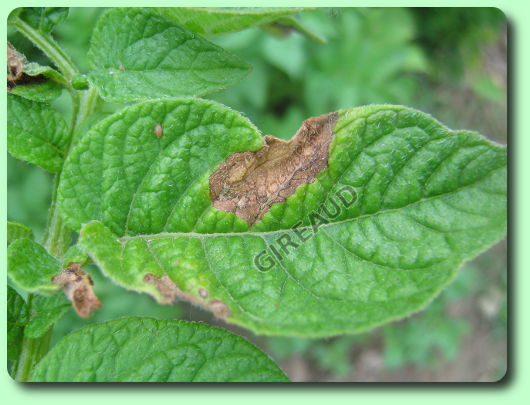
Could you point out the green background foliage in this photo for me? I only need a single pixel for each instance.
(293, 78)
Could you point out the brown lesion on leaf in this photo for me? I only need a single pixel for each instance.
(165, 285)
(171, 292)
(77, 286)
(248, 183)
(15, 70)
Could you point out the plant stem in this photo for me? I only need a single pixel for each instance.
(57, 235)
(50, 48)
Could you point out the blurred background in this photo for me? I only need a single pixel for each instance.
(450, 62)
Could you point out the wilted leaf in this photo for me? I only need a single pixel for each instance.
(148, 350)
(138, 54)
(400, 202)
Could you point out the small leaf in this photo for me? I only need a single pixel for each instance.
(31, 267)
(215, 21)
(31, 80)
(360, 219)
(45, 311)
(148, 350)
(43, 18)
(137, 54)
(17, 317)
(18, 231)
(36, 133)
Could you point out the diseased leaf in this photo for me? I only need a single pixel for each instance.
(17, 317)
(286, 239)
(138, 54)
(31, 80)
(18, 231)
(36, 133)
(148, 350)
(45, 311)
(222, 20)
(31, 267)
(77, 286)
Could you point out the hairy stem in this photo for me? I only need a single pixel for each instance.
(57, 235)
(50, 48)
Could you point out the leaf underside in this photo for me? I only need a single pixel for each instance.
(148, 350)
(427, 199)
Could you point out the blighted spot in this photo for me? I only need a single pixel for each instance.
(248, 183)
(219, 309)
(170, 292)
(77, 286)
(165, 285)
(158, 131)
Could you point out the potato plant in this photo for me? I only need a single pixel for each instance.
(361, 218)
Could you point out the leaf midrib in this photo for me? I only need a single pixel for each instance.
(170, 235)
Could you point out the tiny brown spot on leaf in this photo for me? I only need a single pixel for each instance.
(77, 286)
(170, 292)
(158, 131)
(248, 183)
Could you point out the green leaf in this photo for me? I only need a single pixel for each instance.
(43, 18)
(422, 199)
(137, 54)
(43, 92)
(31, 267)
(41, 83)
(36, 133)
(17, 317)
(215, 21)
(18, 231)
(148, 350)
(31, 80)
(74, 254)
(45, 311)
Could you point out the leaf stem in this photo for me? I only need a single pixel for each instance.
(57, 235)
(51, 49)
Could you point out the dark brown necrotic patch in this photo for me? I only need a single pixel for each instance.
(248, 183)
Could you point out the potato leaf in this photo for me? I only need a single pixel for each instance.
(362, 218)
(149, 350)
(209, 21)
(138, 54)
(36, 133)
